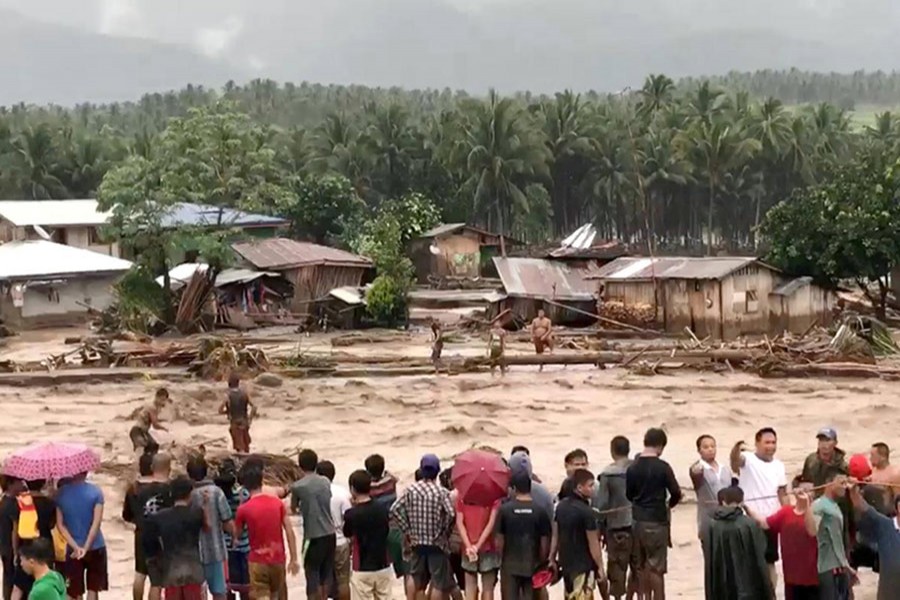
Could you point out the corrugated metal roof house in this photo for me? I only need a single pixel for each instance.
(73, 223)
(44, 284)
(531, 284)
(721, 297)
(313, 270)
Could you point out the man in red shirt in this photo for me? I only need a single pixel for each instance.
(798, 548)
(265, 518)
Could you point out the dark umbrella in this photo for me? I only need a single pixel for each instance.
(480, 478)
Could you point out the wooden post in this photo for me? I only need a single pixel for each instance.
(502, 246)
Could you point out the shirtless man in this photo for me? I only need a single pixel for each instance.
(497, 348)
(148, 418)
(541, 333)
(884, 472)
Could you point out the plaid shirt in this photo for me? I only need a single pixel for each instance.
(425, 514)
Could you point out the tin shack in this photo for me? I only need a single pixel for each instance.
(719, 297)
(312, 269)
(531, 284)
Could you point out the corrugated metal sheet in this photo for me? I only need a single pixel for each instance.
(581, 238)
(52, 213)
(353, 296)
(205, 215)
(280, 253)
(40, 258)
(540, 278)
(788, 289)
(229, 276)
(671, 267)
(445, 229)
(602, 251)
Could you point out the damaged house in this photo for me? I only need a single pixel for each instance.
(719, 297)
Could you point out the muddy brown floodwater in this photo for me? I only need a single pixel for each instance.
(551, 412)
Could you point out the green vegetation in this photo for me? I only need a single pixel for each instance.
(692, 166)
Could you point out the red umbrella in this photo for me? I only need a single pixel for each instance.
(481, 478)
(51, 460)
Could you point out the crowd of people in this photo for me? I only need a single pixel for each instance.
(228, 535)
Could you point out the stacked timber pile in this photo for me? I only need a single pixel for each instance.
(195, 311)
(639, 315)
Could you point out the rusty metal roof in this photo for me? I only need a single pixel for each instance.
(672, 267)
(281, 253)
(606, 250)
(540, 278)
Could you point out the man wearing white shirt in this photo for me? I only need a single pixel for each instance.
(340, 504)
(763, 479)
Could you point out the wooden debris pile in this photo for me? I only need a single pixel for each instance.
(196, 309)
(639, 315)
(217, 357)
(278, 470)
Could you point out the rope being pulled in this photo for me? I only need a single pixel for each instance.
(758, 498)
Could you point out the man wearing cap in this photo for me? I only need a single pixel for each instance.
(821, 466)
(827, 459)
(425, 515)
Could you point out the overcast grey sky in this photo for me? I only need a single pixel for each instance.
(541, 45)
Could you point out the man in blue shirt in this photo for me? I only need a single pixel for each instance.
(79, 512)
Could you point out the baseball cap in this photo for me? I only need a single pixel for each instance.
(520, 463)
(828, 433)
(430, 465)
(859, 467)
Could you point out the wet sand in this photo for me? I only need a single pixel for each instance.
(550, 412)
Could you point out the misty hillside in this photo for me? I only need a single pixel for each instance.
(511, 45)
(44, 63)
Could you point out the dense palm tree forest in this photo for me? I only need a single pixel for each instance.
(662, 165)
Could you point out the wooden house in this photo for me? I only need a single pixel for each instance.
(720, 297)
(312, 269)
(455, 250)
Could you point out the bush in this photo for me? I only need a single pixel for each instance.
(386, 301)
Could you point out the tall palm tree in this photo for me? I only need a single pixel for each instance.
(392, 142)
(720, 149)
(502, 153)
(657, 92)
(35, 164)
(567, 132)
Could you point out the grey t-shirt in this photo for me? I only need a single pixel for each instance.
(313, 495)
(212, 542)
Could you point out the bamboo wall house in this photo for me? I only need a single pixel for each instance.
(719, 297)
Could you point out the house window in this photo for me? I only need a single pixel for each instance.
(752, 303)
(95, 237)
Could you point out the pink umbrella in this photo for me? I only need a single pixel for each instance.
(51, 460)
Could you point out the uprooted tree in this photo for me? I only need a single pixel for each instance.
(845, 228)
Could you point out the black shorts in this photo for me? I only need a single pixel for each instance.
(771, 547)
(431, 565)
(801, 592)
(318, 563)
(516, 587)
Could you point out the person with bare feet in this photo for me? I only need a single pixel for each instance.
(241, 411)
(148, 418)
(542, 334)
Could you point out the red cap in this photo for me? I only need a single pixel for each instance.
(859, 466)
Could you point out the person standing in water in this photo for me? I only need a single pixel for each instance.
(241, 411)
(497, 348)
(437, 344)
(147, 419)
(542, 333)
